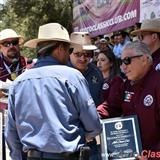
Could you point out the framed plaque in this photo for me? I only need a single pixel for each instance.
(120, 138)
(1, 144)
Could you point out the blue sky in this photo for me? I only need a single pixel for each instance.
(1, 1)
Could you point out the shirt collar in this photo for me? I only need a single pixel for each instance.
(46, 61)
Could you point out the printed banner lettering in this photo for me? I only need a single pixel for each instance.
(104, 16)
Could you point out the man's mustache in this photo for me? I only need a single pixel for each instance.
(13, 53)
(12, 50)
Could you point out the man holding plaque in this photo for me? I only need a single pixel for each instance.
(12, 63)
(139, 95)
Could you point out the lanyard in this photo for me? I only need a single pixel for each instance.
(9, 70)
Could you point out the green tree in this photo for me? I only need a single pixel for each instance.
(26, 16)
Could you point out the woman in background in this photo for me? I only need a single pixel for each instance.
(108, 65)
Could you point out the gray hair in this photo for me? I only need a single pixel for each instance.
(140, 48)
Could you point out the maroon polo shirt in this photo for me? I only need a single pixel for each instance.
(156, 58)
(142, 99)
(112, 95)
(116, 82)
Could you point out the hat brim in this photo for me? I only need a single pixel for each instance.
(33, 42)
(144, 30)
(83, 47)
(89, 47)
(21, 39)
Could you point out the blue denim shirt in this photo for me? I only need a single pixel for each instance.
(50, 109)
(119, 48)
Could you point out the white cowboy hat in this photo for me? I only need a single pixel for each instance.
(49, 32)
(103, 40)
(83, 39)
(148, 25)
(10, 33)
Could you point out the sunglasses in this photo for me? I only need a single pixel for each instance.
(86, 54)
(10, 43)
(128, 60)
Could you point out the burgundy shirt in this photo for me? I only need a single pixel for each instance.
(105, 88)
(116, 82)
(141, 99)
(156, 59)
(112, 94)
(4, 74)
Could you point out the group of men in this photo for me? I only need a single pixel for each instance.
(65, 118)
(52, 107)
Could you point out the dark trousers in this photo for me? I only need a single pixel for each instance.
(38, 155)
(30, 158)
(95, 153)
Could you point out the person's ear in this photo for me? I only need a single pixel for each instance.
(154, 36)
(144, 59)
(61, 47)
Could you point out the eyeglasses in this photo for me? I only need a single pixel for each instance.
(85, 54)
(128, 60)
(10, 43)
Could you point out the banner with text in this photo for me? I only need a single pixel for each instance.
(104, 16)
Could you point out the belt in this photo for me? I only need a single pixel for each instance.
(39, 154)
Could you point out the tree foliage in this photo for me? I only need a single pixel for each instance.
(25, 16)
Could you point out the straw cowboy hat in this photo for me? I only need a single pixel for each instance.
(148, 25)
(83, 39)
(49, 32)
(10, 33)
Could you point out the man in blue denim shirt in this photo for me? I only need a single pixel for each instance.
(51, 112)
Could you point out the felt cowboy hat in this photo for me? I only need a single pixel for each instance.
(49, 32)
(83, 39)
(10, 33)
(148, 25)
